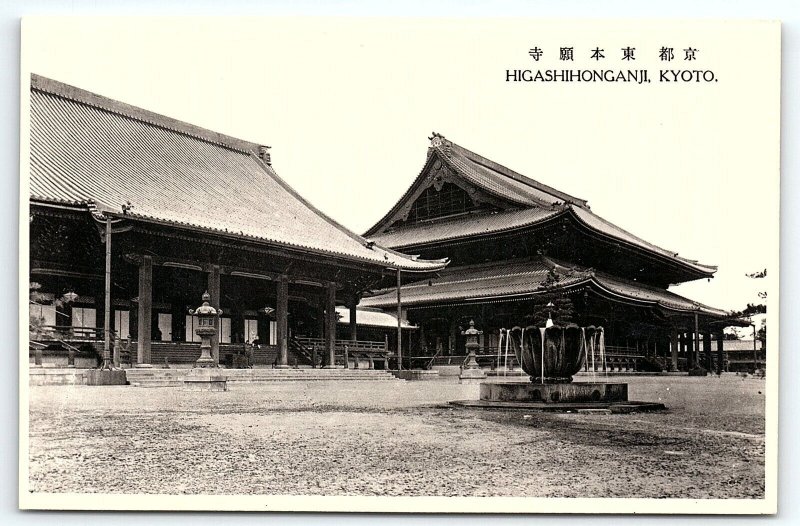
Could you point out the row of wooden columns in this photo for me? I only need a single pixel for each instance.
(281, 313)
(688, 343)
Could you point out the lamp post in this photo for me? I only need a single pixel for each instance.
(549, 322)
(471, 369)
(206, 374)
(206, 329)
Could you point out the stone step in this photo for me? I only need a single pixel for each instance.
(158, 384)
(180, 383)
(174, 377)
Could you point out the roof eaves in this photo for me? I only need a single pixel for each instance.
(422, 267)
(556, 212)
(400, 258)
(609, 288)
(707, 270)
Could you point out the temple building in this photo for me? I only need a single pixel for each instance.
(521, 251)
(133, 216)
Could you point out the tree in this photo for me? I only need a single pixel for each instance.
(754, 309)
(562, 309)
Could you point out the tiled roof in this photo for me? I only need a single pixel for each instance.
(87, 149)
(507, 280)
(371, 318)
(654, 295)
(464, 226)
(502, 181)
(477, 282)
(540, 202)
(599, 224)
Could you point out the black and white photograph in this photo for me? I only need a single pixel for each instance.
(399, 265)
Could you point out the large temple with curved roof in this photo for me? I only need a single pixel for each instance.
(515, 243)
(133, 215)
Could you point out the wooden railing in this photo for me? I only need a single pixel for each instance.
(618, 350)
(352, 345)
(69, 333)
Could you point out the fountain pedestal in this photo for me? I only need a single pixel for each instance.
(553, 393)
(551, 356)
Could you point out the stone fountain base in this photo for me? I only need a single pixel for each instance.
(562, 392)
(579, 397)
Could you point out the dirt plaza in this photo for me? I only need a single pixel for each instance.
(396, 438)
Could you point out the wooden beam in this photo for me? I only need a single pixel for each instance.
(38, 268)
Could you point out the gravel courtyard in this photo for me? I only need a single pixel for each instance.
(396, 438)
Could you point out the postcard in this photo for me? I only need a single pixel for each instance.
(399, 265)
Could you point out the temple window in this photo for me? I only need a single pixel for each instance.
(450, 200)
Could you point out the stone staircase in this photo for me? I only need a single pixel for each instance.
(158, 377)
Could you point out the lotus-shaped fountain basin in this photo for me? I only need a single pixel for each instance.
(554, 354)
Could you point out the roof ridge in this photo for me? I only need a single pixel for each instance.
(94, 100)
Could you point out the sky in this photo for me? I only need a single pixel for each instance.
(348, 105)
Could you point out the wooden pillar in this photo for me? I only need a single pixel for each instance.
(720, 351)
(353, 320)
(321, 317)
(707, 351)
(330, 325)
(145, 318)
(214, 292)
(399, 325)
(696, 340)
(673, 344)
(684, 345)
(107, 302)
(282, 312)
(690, 363)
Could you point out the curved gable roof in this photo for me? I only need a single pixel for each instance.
(530, 202)
(85, 148)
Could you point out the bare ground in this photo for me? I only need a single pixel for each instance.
(395, 438)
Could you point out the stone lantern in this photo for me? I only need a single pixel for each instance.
(471, 369)
(205, 375)
(206, 329)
